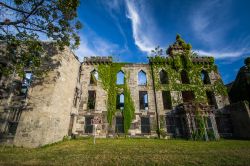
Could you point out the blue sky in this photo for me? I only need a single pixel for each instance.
(129, 29)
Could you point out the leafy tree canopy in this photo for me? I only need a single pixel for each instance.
(24, 22)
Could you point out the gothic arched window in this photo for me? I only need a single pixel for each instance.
(93, 77)
(205, 77)
(184, 77)
(163, 77)
(120, 78)
(142, 78)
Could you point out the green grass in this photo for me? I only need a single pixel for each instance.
(131, 152)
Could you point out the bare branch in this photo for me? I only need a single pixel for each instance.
(25, 18)
(31, 29)
(12, 8)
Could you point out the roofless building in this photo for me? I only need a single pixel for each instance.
(177, 95)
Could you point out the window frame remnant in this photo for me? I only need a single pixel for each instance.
(205, 77)
(163, 77)
(120, 101)
(185, 77)
(88, 126)
(27, 79)
(188, 96)
(166, 100)
(170, 124)
(142, 78)
(145, 125)
(143, 100)
(120, 78)
(119, 124)
(93, 77)
(91, 99)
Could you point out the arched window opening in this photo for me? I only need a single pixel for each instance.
(205, 77)
(93, 77)
(120, 101)
(184, 77)
(120, 78)
(164, 77)
(142, 78)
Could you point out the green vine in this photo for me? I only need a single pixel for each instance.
(173, 66)
(199, 133)
(107, 75)
(129, 108)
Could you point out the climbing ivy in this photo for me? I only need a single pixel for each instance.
(107, 75)
(129, 108)
(174, 64)
(200, 132)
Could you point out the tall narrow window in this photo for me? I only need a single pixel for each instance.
(142, 78)
(120, 78)
(143, 98)
(120, 101)
(91, 99)
(187, 96)
(88, 125)
(210, 98)
(2, 66)
(205, 77)
(14, 117)
(26, 83)
(170, 124)
(93, 77)
(145, 125)
(119, 125)
(164, 77)
(184, 77)
(166, 98)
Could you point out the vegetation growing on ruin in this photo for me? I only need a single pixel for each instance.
(199, 134)
(129, 108)
(107, 74)
(182, 61)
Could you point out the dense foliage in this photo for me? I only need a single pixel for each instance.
(24, 22)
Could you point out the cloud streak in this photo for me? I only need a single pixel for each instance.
(142, 26)
(221, 55)
(94, 45)
(212, 25)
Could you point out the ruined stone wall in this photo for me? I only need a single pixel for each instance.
(240, 115)
(101, 100)
(133, 83)
(175, 88)
(100, 104)
(50, 101)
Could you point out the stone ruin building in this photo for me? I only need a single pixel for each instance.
(178, 95)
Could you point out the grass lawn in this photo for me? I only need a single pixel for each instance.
(131, 152)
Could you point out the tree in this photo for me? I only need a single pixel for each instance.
(24, 22)
(157, 51)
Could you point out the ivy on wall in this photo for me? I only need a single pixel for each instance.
(199, 133)
(107, 75)
(129, 108)
(179, 61)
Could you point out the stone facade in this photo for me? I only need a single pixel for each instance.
(155, 101)
(45, 115)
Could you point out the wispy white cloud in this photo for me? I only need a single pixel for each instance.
(94, 45)
(212, 25)
(208, 21)
(143, 26)
(222, 54)
(114, 8)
